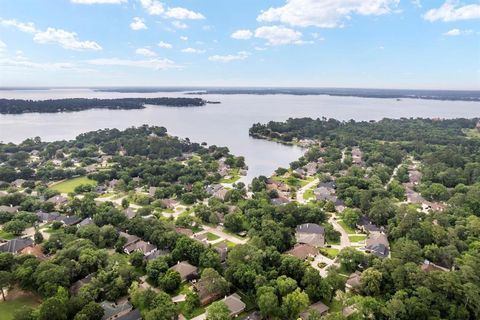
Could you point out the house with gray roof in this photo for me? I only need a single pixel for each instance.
(16, 245)
(112, 310)
(186, 270)
(377, 244)
(319, 307)
(9, 209)
(235, 304)
(310, 233)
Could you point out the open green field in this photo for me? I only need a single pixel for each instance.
(212, 236)
(230, 244)
(309, 194)
(70, 185)
(472, 133)
(345, 227)
(329, 252)
(293, 182)
(234, 176)
(6, 236)
(8, 308)
(357, 238)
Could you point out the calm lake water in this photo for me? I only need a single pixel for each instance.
(224, 124)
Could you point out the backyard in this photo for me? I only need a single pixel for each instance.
(69, 185)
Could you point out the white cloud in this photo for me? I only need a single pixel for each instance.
(242, 55)
(458, 32)
(260, 49)
(165, 45)
(67, 40)
(145, 52)
(24, 63)
(138, 24)
(242, 34)
(192, 50)
(278, 35)
(183, 14)
(326, 13)
(179, 25)
(24, 27)
(153, 7)
(417, 3)
(183, 38)
(452, 11)
(155, 64)
(98, 1)
(3, 45)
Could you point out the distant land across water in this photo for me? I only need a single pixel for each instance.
(453, 95)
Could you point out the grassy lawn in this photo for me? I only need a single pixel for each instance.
(335, 306)
(234, 176)
(357, 238)
(6, 235)
(70, 185)
(230, 244)
(345, 227)
(212, 236)
(334, 241)
(472, 133)
(308, 194)
(195, 312)
(329, 252)
(8, 308)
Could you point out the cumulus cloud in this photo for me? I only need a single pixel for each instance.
(3, 45)
(145, 52)
(24, 27)
(179, 25)
(326, 13)
(183, 38)
(155, 64)
(193, 50)
(242, 34)
(451, 10)
(67, 40)
(183, 14)
(165, 45)
(138, 24)
(278, 35)
(242, 55)
(98, 1)
(156, 8)
(153, 7)
(457, 32)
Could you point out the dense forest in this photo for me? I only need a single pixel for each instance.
(16, 106)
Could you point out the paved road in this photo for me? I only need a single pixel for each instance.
(218, 230)
(302, 190)
(344, 240)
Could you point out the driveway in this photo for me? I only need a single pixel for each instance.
(218, 230)
(303, 189)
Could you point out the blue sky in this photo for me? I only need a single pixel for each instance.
(318, 43)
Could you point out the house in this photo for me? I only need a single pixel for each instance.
(428, 266)
(168, 203)
(45, 217)
(16, 245)
(222, 250)
(77, 285)
(310, 233)
(211, 189)
(353, 281)
(357, 156)
(366, 225)
(9, 209)
(319, 307)
(58, 200)
(235, 304)
(184, 231)
(144, 247)
(70, 220)
(129, 237)
(279, 201)
(377, 244)
(201, 237)
(129, 213)
(156, 254)
(220, 194)
(205, 292)
(35, 251)
(186, 270)
(132, 315)
(111, 310)
(310, 168)
(18, 183)
(303, 251)
(85, 222)
(99, 189)
(112, 183)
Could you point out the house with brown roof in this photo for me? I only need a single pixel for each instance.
(235, 304)
(319, 307)
(9, 209)
(144, 247)
(186, 270)
(36, 251)
(57, 200)
(169, 203)
(184, 231)
(206, 292)
(303, 251)
(353, 281)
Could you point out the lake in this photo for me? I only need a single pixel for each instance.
(224, 124)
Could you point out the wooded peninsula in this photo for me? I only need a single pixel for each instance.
(18, 106)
